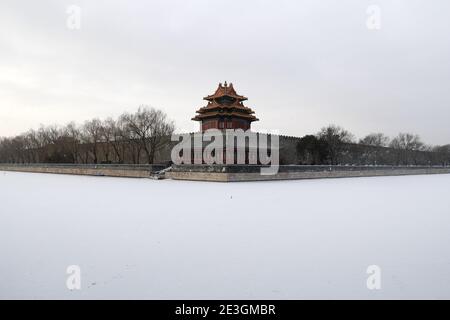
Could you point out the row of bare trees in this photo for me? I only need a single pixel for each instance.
(335, 145)
(131, 138)
(144, 137)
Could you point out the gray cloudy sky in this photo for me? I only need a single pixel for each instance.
(303, 64)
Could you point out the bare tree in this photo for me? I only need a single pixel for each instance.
(375, 139)
(151, 129)
(131, 139)
(92, 135)
(406, 145)
(442, 154)
(18, 149)
(407, 141)
(32, 145)
(373, 145)
(107, 136)
(120, 137)
(335, 138)
(73, 134)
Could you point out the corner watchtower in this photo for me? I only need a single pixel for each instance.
(225, 110)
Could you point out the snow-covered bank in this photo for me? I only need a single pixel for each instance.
(174, 239)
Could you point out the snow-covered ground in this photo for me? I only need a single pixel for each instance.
(139, 238)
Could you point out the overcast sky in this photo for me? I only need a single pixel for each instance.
(302, 64)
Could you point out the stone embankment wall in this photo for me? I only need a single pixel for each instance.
(227, 173)
(234, 173)
(129, 171)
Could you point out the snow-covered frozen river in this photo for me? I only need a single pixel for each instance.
(139, 238)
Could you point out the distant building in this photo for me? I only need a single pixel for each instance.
(225, 110)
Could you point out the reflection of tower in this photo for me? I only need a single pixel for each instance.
(225, 110)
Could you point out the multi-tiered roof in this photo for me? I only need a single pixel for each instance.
(225, 103)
